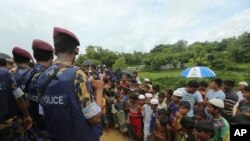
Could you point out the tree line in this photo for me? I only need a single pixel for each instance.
(224, 54)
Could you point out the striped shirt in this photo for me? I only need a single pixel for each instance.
(229, 102)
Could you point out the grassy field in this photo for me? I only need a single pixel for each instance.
(172, 78)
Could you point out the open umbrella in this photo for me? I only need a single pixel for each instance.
(88, 62)
(198, 71)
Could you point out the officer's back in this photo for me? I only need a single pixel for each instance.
(62, 88)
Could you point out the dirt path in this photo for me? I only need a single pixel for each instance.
(113, 135)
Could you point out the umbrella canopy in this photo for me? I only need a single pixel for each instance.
(198, 71)
(88, 62)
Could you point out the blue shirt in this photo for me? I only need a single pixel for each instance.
(211, 94)
(191, 98)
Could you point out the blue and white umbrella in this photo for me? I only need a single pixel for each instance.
(198, 71)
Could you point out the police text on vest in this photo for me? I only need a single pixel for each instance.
(54, 100)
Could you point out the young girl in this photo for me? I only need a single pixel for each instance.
(135, 117)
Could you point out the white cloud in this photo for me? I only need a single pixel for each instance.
(235, 25)
(117, 24)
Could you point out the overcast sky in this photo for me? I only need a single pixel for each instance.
(122, 25)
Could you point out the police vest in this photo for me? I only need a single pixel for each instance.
(32, 93)
(20, 75)
(8, 106)
(62, 111)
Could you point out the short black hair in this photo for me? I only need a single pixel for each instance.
(161, 94)
(202, 113)
(20, 59)
(185, 104)
(133, 96)
(187, 123)
(247, 88)
(229, 83)
(218, 81)
(240, 119)
(156, 87)
(193, 84)
(3, 62)
(205, 126)
(163, 112)
(163, 120)
(105, 80)
(203, 83)
(65, 44)
(170, 91)
(42, 55)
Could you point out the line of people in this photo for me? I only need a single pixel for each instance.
(198, 111)
(60, 101)
(56, 100)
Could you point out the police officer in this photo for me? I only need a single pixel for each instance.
(11, 98)
(10, 62)
(22, 59)
(63, 92)
(43, 53)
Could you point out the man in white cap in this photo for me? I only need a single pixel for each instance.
(154, 104)
(147, 82)
(146, 114)
(141, 99)
(174, 104)
(241, 87)
(215, 107)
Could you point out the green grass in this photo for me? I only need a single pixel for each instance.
(172, 78)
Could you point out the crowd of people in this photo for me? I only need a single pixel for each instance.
(199, 111)
(55, 100)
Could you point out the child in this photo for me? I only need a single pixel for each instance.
(174, 104)
(146, 114)
(141, 100)
(104, 111)
(135, 117)
(204, 131)
(200, 115)
(243, 110)
(160, 130)
(183, 110)
(168, 96)
(215, 107)
(121, 116)
(162, 104)
(154, 104)
(187, 124)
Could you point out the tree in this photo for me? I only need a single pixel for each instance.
(120, 63)
(180, 46)
(199, 54)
